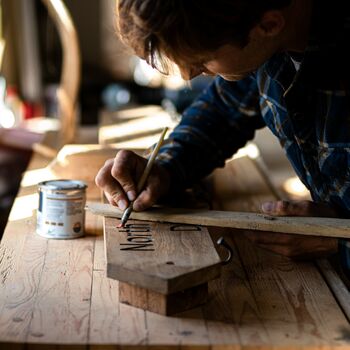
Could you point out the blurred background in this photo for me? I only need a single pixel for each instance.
(110, 76)
(61, 63)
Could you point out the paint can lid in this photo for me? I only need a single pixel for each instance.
(62, 184)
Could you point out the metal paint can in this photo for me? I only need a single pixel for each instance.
(61, 211)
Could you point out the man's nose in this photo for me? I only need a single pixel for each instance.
(206, 71)
(190, 73)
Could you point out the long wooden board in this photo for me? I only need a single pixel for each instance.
(313, 226)
(160, 257)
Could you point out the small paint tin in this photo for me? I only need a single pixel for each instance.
(61, 211)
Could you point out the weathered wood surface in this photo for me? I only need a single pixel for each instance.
(81, 162)
(164, 258)
(289, 300)
(56, 292)
(163, 304)
(311, 226)
(135, 127)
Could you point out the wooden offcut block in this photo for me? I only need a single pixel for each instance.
(164, 304)
(164, 268)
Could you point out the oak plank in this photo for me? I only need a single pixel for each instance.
(21, 268)
(61, 313)
(132, 328)
(336, 284)
(110, 322)
(160, 257)
(301, 304)
(104, 317)
(100, 261)
(314, 226)
(185, 329)
(294, 306)
(233, 315)
(28, 275)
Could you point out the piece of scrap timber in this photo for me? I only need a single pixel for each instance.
(314, 226)
(163, 268)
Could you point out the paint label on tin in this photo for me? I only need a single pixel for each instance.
(61, 216)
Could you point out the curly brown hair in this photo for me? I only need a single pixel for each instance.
(159, 30)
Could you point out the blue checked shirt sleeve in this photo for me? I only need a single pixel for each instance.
(212, 129)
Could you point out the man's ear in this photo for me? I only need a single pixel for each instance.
(271, 24)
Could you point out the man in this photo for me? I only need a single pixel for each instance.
(279, 63)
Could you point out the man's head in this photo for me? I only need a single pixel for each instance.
(227, 37)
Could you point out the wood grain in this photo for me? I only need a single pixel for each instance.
(161, 257)
(64, 295)
(22, 260)
(163, 304)
(277, 300)
(81, 162)
(136, 127)
(314, 226)
(260, 301)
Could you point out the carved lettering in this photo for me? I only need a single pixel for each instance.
(138, 239)
(135, 228)
(139, 236)
(147, 247)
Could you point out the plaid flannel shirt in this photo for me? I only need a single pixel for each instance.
(307, 110)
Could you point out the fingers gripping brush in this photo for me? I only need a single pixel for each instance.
(143, 178)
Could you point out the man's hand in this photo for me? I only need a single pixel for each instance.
(296, 246)
(119, 176)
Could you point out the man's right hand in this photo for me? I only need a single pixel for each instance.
(118, 179)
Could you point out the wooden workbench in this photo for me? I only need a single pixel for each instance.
(55, 293)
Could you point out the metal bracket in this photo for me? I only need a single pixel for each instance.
(221, 241)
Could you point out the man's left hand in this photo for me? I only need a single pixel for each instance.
(296, 246)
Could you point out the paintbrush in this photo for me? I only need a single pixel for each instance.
(143, 177)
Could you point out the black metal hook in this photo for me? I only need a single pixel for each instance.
(221, 241)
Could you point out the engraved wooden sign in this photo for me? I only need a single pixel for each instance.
(161, 267)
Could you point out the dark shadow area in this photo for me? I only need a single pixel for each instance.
(13, 163)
